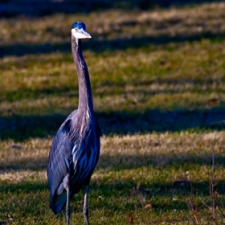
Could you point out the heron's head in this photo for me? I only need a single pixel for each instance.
(79, 31)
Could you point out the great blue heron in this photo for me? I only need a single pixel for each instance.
(76, 146)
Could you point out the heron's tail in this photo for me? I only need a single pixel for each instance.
(58, 202)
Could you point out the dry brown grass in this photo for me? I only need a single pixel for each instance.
(185, 21)
(122, 152)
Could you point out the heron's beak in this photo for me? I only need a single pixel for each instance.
(85, 34)
(80, 34)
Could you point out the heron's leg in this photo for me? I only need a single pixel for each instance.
(67, 187)
(68, 205)
(85, 208)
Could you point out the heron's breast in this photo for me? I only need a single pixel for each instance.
(85, 162)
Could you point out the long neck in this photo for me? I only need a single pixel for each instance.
(85, 104)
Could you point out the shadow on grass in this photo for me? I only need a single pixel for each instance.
(164, 197)
(30, 163)
(162, 121)
(25, 187)
(12, 8)
(162, 194)
(107, 45)
(165, 161)
(24, 127)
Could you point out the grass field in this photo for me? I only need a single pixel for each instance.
(158, 82)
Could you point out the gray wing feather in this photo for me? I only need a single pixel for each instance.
(57, 167)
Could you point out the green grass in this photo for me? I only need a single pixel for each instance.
(158, 87)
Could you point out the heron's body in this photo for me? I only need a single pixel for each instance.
(76, 146)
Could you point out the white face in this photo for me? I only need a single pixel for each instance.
(80, 34)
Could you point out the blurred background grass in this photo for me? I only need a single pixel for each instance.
(161, 66)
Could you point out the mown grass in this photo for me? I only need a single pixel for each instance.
(158, 86)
